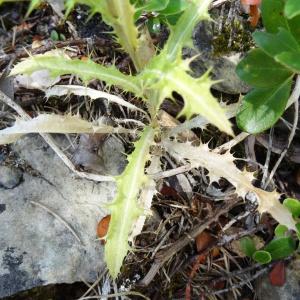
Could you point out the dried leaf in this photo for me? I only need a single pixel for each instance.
(146, 195)
(102, 227)
(222, 166)
(46, 123)
(61, 90)
(204, 240)
(277, 274)
(40, 80)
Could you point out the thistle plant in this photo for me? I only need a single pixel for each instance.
(156, 76)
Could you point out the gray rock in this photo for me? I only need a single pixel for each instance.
(36, 248)
(10, 177)
(291, 289)
(113, 155)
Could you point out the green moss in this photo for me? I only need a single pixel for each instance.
(241, 39)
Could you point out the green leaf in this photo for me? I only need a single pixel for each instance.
(262, 257)
(261, 108)
(58, 64)
(181, 34)
(274, 44)
(290, 60)
(149, 6)
(295, 28)
(54, 35)
(280, 230)
(171, 19)
(281, 247)
(292, 8)
(298, 231)
(33, 5)
(120, 15)
(174, 7)
(154, 5)
(293, 205)
(247, 246)
(124, 208)
(154, 25)
(274, 18)
(167, 77)
(272, 15)
(260, 70)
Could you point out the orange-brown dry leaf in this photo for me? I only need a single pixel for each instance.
(102, 227)
(215, 252)
(277, 274)
(252, 7)
(204, 240)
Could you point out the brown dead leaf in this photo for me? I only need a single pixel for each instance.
(277, 274)
(204, 240)
(102, 227)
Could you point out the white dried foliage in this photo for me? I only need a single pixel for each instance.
(200, 121)
(62, 90)
(40, 80)
(223, 166)
(46, 123)
(146, 195)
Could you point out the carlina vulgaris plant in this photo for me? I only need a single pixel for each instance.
(158, 75)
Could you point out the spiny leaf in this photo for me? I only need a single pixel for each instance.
(120, 15)
(147, 193)
(181, 34)
(61, 90)
(166, 77)
(223, 166)
(124, 209)
(58, 64)
(46, 123)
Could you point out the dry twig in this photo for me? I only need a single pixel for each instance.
(162, 258)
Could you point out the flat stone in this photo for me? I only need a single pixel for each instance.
(10, 177)
(36, 247)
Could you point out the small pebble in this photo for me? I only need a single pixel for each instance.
(10, 177)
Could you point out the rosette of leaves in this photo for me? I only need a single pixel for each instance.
(156, 78)
(271, 67)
